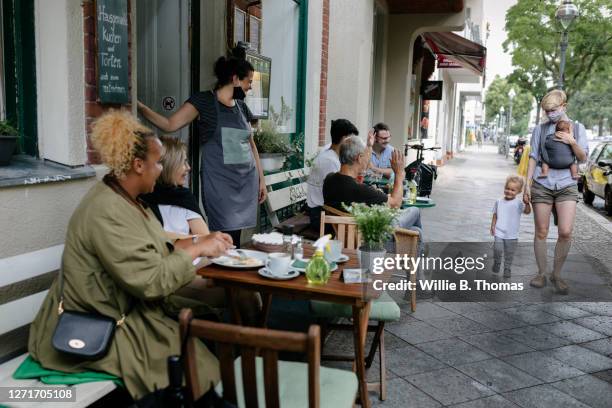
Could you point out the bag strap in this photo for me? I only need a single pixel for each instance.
(60, 306)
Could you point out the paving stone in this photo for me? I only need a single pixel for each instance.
(458, 325)
(535, 337)
(402, 394)
(581, 358)
(417, 332)
(543, 366)
(588, 389)
(563, 310)
(531, 314)
(449, 386)
(543, 396)
(498, 375)
(462, 307)
(601, 324)
(603, 346)
(596, 308)
(453, 351)
(429, 310)
(494, 401)
(572, 332)
(410, 360)
(496, 344)
(604, 375)
(495, 320)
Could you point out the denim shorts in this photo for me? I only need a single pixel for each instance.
(541, 194)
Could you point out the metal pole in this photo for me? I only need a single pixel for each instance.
(509, 129)
(564, 42)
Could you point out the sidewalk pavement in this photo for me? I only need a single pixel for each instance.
(493, 354)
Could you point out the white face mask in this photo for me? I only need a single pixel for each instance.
(555, 115)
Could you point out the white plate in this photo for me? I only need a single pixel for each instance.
(299, 269)
(267, 274)
(235, 263)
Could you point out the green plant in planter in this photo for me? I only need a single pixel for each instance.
(269, 140)
(374, 223)
(6, 129)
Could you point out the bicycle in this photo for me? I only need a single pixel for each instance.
(422, 174)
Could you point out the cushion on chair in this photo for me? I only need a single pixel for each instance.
(338, 387)
(383, 309)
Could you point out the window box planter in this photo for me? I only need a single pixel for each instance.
(272, 161)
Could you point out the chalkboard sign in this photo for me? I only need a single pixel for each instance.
(112, 50)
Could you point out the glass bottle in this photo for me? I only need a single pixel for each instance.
(317, 270)
(287, 240)
(298, 249)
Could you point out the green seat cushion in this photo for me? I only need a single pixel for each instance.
(338, 387)
(383, 309)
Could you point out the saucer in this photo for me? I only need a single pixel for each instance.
(342, 258)
(267, 274)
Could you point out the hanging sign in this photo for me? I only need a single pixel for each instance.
(112, 50)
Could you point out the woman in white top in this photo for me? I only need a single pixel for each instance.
(174, 204)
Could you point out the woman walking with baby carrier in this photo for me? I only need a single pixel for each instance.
(555, 150)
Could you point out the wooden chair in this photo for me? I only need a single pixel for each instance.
(334, 211)
(345, 229)
(384, 309)
(406, 242)
(251, 381)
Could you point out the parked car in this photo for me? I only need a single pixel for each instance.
(512, 139)
(592, 143)
(597, 178)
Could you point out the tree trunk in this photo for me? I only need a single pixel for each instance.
(600, 127)
(538, 107)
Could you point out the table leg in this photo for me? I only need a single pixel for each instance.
(232, 302)
(361, 315)
(266, 300)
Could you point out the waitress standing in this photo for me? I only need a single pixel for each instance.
(231, 175)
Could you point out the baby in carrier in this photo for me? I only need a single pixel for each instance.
(556, 154)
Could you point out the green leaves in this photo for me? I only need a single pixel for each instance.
(533, 37)
(497, 97)
(374, 223)
(6, 129)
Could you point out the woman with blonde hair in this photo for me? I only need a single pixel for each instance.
(557, 189)
(117, 262)
(174, 205)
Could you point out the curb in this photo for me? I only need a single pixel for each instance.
(598, 218)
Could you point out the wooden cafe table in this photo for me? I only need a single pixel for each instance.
(356, 295)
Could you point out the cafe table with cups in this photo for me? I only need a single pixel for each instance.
(274, 268)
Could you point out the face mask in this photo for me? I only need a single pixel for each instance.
(554, 116)
(239, 93)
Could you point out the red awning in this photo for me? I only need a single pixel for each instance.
(454, 51)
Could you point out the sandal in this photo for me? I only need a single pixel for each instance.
(560, 286)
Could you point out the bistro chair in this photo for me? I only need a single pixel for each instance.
(334, 211)
(406, 242)
(252, 381)
(345, 229)
(384, 309)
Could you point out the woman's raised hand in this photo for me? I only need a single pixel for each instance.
(214, 244)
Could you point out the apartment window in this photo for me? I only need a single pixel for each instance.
(239, 25)
(18, 82)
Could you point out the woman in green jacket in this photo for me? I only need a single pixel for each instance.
(117, 261)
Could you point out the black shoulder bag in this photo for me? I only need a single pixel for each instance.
(84, 335)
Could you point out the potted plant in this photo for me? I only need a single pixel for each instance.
(8, 141)
(272, 146)
(375, 226)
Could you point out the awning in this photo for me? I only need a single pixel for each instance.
(454, 51)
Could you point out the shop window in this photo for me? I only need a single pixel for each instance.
(18, 83)
(246, 24)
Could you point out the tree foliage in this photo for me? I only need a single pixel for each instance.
(533, 37)
(497, 97)
(592, 105)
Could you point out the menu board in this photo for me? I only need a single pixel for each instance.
(258, 99)
(112, 50)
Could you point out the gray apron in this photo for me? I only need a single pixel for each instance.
(230, 183)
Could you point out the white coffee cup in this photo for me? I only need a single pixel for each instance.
(335, 250)
(278, 263)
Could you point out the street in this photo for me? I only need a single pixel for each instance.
(502, 354)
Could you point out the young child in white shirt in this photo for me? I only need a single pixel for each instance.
(505, 223)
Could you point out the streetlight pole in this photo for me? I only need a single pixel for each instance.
(566, 14)
(511, 95)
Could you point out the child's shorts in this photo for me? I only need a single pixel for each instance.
(541, 194)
